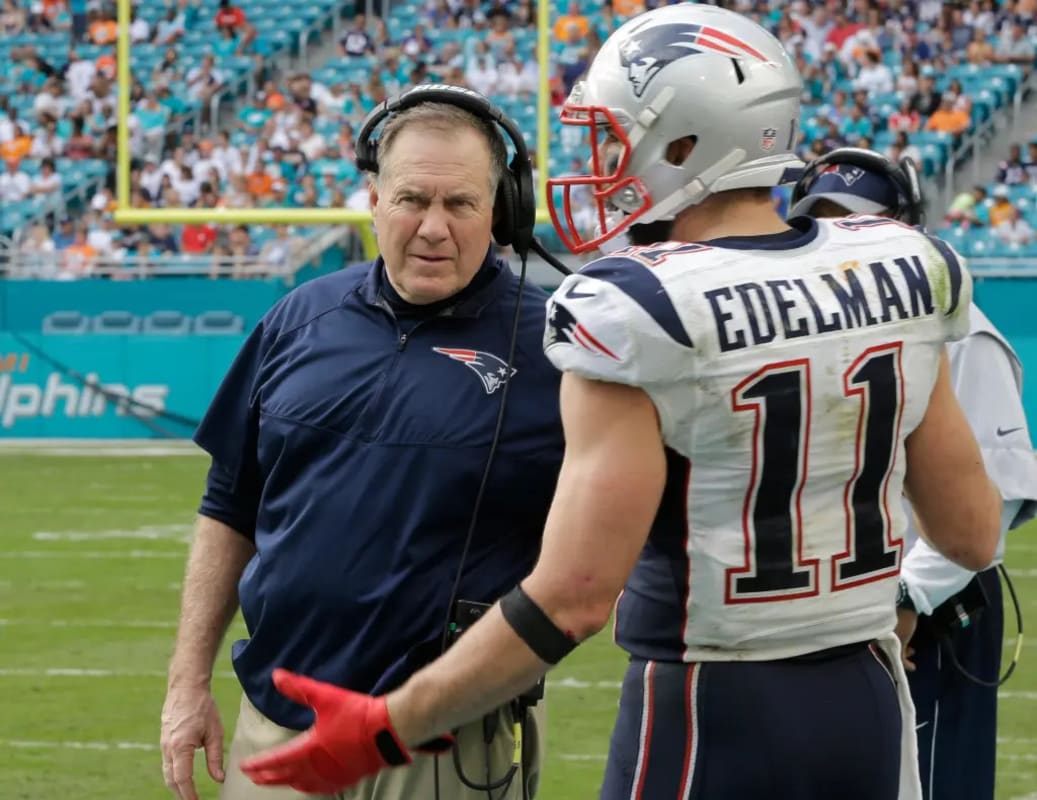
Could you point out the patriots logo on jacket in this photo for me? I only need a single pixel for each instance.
(648, 50)
(492, 371)
(563, 327)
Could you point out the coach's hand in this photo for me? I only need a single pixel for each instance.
(351, 739)
(907, 621)
(190, 720)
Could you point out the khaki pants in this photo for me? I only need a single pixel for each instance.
(255, 733)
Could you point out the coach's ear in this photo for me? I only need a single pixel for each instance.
(372, 192)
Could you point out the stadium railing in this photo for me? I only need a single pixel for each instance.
(15, 265)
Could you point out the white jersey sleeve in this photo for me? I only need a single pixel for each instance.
(614, 321)
(987, 380)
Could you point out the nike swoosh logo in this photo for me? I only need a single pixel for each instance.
(1006, 431)
(572, 294)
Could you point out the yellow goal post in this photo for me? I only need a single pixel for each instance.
(361, 220)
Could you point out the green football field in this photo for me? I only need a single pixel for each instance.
(92, 549)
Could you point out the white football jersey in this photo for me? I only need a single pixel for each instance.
(787, 371)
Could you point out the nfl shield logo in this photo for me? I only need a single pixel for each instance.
(767, 138)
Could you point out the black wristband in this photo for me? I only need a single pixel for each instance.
(535, 628)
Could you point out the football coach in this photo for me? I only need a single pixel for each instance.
(350, 440)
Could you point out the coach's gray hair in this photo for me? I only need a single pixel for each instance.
(444, 116)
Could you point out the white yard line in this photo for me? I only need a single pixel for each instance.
(152, 533)
(90, 555)
(135, 448)
(48, 585)
(76, 672)
(30, 744)
(1016, 695)
(576, 683)
(87, 623)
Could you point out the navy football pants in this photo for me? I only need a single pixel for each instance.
(956, 718)
(796, 729)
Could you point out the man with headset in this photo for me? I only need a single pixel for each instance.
(950, 619)
(741, 413)
(351, 441)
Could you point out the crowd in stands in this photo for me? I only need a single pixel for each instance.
(907, 78)
(58, 129)
(1002, 213)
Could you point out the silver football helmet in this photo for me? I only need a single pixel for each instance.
(677, 71)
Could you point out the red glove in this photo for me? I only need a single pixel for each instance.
(351, 739)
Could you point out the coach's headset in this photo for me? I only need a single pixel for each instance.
(910, 207)
(514, 210)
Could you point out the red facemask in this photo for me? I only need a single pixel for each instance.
(610, 154)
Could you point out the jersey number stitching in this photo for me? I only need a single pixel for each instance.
(780, 396)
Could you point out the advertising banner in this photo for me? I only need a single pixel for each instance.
(108, 387)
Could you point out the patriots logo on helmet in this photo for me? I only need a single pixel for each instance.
(492, 371)
(849, 175)
(563, 327)
(648, 50)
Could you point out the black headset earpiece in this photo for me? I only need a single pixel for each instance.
(515, 203)
(903, 175)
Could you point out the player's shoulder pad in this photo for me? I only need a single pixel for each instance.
(615, 321)
(951, 284)
(957, 277)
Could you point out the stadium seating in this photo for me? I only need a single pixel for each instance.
(166, 323)
(115, 322)
(218, 323)
(157, 323)
(66, 322)
(297, 28)
(282, 26)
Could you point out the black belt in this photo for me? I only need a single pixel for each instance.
(830, 653)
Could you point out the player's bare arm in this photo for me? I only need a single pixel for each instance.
(608, 493)
(957, 505)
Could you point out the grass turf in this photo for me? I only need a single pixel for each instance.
(91, 555)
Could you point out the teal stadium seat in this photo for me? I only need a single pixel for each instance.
(65, 322)
(115, 322)
(218, 323)
(166, 323)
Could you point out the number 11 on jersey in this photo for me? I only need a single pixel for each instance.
(780, 395)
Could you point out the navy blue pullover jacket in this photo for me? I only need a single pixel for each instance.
(349, 445)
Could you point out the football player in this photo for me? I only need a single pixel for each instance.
(743, 406)
(951, 619)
